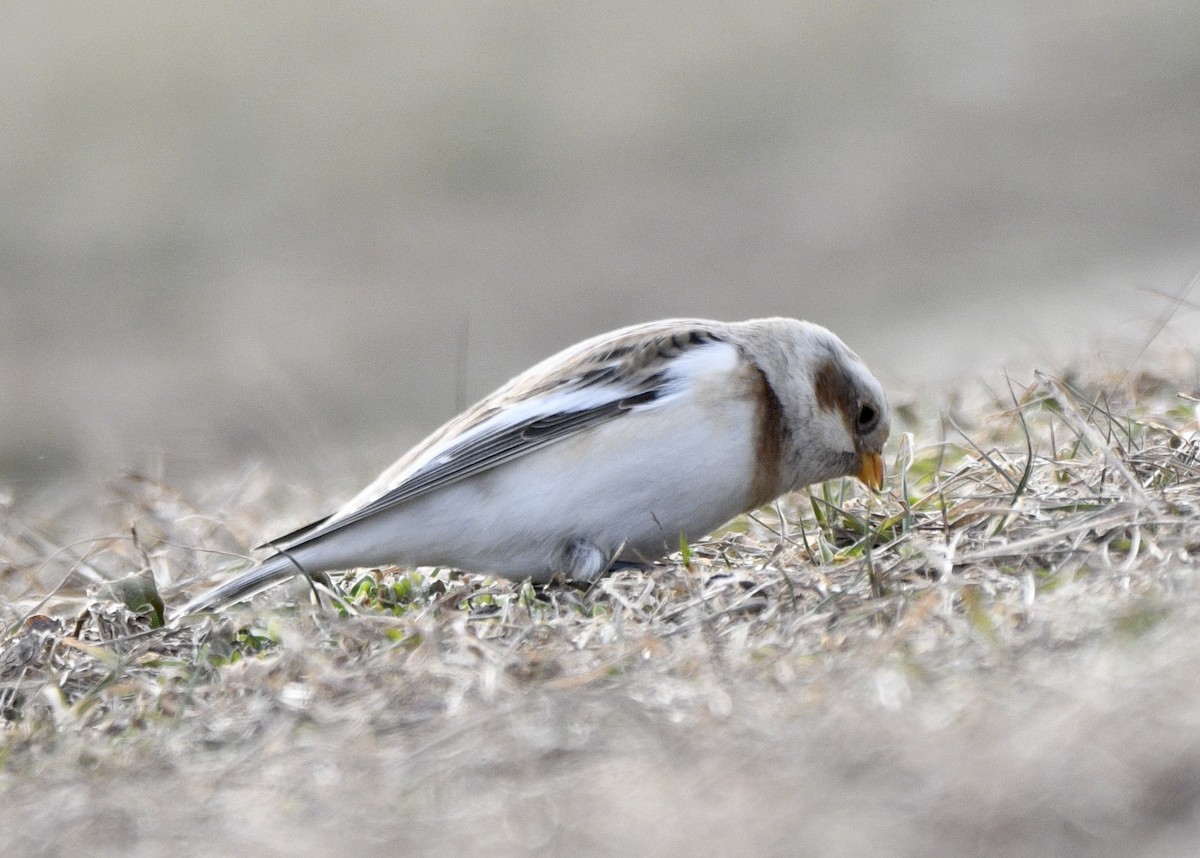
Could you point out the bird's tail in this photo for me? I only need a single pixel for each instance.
(250, 583)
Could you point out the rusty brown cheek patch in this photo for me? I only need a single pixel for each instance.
(770, 443)
(834, 392)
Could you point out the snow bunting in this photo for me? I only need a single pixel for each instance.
(605, 454)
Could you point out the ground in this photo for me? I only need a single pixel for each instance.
(995, 656)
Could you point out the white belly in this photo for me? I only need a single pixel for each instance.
(632, 485)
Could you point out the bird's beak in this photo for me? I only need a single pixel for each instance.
(870, 470)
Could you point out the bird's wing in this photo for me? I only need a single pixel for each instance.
(568, 394)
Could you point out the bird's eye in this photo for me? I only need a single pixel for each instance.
(868, 416)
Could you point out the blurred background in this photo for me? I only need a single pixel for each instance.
(306, 233)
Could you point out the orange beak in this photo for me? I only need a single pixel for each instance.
(870, 471)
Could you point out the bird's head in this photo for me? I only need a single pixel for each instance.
(837, 412)
(851, 403)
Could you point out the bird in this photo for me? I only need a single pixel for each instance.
(604, 455)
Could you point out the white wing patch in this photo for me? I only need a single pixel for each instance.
(704, 362)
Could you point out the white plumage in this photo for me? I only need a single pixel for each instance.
(605, 453)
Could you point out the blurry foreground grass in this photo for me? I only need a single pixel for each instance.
(995, 656)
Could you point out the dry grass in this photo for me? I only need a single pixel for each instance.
(994, 657)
